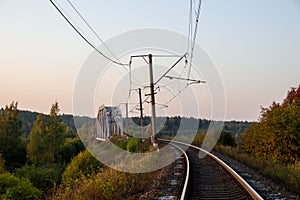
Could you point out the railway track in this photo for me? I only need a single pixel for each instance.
(208, 177)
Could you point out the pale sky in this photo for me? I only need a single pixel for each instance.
(255, 45)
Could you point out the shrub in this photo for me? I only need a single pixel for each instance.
(12, 187)
(121, 142)
(226, 139)
(44, 177)
(198, 140)
(108, 184)
(132, 144)
(80, 166)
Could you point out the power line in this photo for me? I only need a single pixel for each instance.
(194, 36)
(157, 56)
(192, 33)
(182, 73)
(190, 26)
(84, 38)
(160, 56)
(185, 79)
(98, 37)
(95, 33)
(145, 100)
(180, 91)
(190, 81)
(170, 68)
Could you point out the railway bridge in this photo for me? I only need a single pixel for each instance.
(110, 122)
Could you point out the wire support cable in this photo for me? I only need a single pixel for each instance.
(84, 38)
(179, 92)
(170, 68)
(185, 79)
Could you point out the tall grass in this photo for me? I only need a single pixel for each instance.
(289, 175)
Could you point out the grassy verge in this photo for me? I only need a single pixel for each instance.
(289, 175)
(84, 180)
(108, 184)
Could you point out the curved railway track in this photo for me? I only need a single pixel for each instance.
(208, 177)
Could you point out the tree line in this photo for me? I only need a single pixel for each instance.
(36, 149)
(36, 161)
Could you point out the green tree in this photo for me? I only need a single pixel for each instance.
(277, 135)
(12, 147)
(70, 148)
(53, 141)
(55, 130)
(38, 148)
(42, 177)
(12, 187)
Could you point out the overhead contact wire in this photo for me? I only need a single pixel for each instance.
(194, 37)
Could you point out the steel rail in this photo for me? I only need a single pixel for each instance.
(237, 177)
(187, 175)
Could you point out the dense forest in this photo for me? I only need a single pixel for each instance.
(169, 126)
